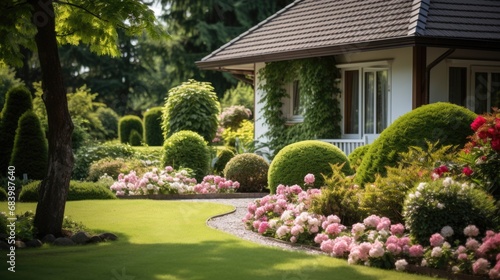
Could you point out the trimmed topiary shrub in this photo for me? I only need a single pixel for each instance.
(191, 106)
(250, 170)
(444, 122)
(187, 149)
(30, 153)
(153, 135)
(109, 119)
(17, 102)
(224, 155)
(135, 138)
(126, 125)
(296, 160)
(444, 202)
(77, 191)
(356, 157)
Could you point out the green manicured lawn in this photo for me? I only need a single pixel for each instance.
(169, 240)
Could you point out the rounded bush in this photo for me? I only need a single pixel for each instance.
(17, 101)
(232, 116)
(446, 122)
(191, 106)
(126, 125)
(432, 206)
(153, 135)
(356, 157)
(30, 153)
(109, 119)
(295, 161)
(250, 170)
(187, 149)
(135, 138)
(113, 167)
(224, 155)
(77, 191)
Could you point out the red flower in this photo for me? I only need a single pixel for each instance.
(478, 122)
(467, 171)
(495, 144)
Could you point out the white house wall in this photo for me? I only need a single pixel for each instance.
(259, 126)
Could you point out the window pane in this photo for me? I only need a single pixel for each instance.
(495, 90)
(351, 102)
(458, 85)
(382, 100)
(297, 109)
(369, 102)
(481, 92)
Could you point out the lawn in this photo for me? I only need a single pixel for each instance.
(169, 240)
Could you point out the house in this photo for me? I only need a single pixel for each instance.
(394, 56)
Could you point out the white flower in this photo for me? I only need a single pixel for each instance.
(440, 205)
(436, 252)
(401, 264)
(455, 269)
(447, 181)
(417, 194)
(421, 186)
(446, 245)
(446, 231)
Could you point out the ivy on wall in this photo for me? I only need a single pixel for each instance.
(318, 93)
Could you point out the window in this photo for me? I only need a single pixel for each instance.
(297, 106)
(366, 101)
(294, 106)
(485, 89)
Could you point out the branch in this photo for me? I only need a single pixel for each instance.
(90, 12)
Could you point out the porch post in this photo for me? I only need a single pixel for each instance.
(419, 90)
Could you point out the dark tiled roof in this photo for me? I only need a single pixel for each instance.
(313, 24)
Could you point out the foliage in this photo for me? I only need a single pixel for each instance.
(385, 197)
(356, 157)
(244, 134)
(30, 153)
(223, 156)
(3, 196)
(445, 202)
(441, 121)
(135, 138)
(339, 196)
(233, 116)
(482, 152)
(191, 106)
(8, 80)
(109, 119)
(126, 125)
(294, 161)
(77, 191)
(187, 149)
(25, 230)
(153, 135)
(86, 155)
(3, 222)
(318, 94)
(113, 167)
(250, 170)
(242, 95)
(17, 102)
(80, 135)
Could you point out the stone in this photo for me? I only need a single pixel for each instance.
(64, 241)
(80, 237)
(108, 236)
(35, 243)
(4, 246)
(49, 238)
(20, 244)
(95, 239)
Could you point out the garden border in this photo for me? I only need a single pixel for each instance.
(193, 196)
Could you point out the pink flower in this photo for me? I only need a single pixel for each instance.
(384, 224)
(319, 238)
(327, 246)
(467, 171)
(436, 240)
(282, 231)
(477, 123)
(462, 256)
(472, 244)
(334, 229)
(416, 251)
(480, 266)
(296, 230)
(377, 250)
(309, 179)
(471, 231)
(340, 247)
(372, 221)
(358, 229)
(397, 229)
(393, 248)
(263, 227)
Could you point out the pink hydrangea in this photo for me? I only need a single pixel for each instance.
(263, 227)
(319, 238)
(309, 179)
(436, 240)
(296, 230)
(377, 250)
(471, 231)
(481, 266)
(327, 246)
(472, 244)
(372, 221)
(358, 229)
(397, 229)
(334, 229)
(416, 251)
(384, 224)
(340, 247)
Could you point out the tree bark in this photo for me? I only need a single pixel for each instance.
(53, 191)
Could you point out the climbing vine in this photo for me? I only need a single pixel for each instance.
(317, 92)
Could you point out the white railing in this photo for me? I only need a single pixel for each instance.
(346, 145)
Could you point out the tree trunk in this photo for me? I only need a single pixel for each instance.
(54, 188)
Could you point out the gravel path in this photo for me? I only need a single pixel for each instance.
(231, 223)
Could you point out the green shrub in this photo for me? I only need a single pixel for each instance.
(232, 116)
(88, 154)
(295, 161)
(444, 202)
(153, 135)
(77, 191)
(356, 157)
(187, 149)
(242, 94)
(250, 170)
(126, 125)
(17, 102)
(3, 223)
(30, 153)
(80, 136)
(135, 138)
(224, 155)
(3, 195)
(109, 119)
(191, 106)
(339, 196)
(114, 166)
(244, 133)
(446, 122)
